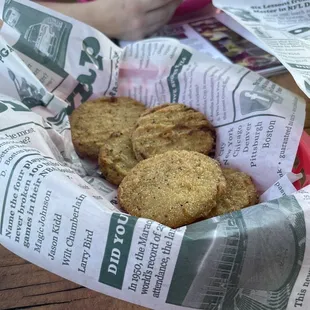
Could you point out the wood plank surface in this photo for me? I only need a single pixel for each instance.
(25, 286)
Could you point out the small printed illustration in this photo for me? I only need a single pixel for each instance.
(299, 30)
(303, 32)
(228, 261)
(59, 118)
(254, 101)
(260, 33)
(244, 15)
(12, 16)
(46, 35)
(307, 85)
(28, 93)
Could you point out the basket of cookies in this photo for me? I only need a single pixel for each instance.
(161, 158)
(154, 173)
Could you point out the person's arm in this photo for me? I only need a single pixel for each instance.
(120, 19)
(81, 12)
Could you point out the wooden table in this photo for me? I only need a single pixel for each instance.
(23, 285)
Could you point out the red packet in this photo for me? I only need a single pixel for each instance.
(189, 6)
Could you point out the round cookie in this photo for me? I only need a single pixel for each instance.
(93, 122)
(116, 157)
(172, 127)
(175, 188)
(240, 193)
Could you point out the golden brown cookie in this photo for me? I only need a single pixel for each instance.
(172, 127)
(93, 122)
(240, 193)
(116, 157)
(175, 188)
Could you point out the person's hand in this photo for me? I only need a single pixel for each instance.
(131, 19)
(121, 19)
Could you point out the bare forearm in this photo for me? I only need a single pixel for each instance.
(120, 19)
(82, 12)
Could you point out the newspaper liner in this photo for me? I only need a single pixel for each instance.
(283, 26)
(56, 212)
